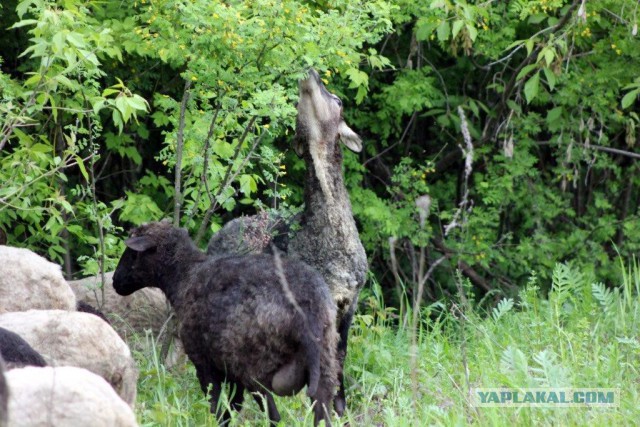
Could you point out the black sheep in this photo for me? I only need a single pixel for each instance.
(324, 235)
(16, 352)
(257, 322)
(4, 396)
(85, 307)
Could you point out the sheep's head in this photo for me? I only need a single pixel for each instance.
(319, 120)
(144, 258)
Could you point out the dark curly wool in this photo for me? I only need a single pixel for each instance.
(325, 236)
(88, 308)
(16, 352)
(251, 235)
(4, 396)
(257, 322)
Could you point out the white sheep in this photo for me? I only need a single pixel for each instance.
(28, 281)
(69, 338)
(132, 316)
(144, 310)
(63, 396)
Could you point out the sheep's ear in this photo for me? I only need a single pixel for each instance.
(349, 138)
(139, 244)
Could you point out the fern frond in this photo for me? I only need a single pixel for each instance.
(513, 360)
(605, 297)
(566, 283)
(552, 373)
(504, 306)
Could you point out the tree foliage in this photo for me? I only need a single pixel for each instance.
(124, 112)
(548, 89)
(116, 113)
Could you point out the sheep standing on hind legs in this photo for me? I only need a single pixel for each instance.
(256, 322)
(327, 238)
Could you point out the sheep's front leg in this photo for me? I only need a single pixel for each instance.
(271, 409)
(208, 375)
(237, 396)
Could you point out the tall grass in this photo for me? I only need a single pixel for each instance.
(582, 334)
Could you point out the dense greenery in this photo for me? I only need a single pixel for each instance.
(500, 174)
(548, 90)
(583, 336)
(118, 113)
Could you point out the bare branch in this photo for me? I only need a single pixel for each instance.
(601, 148)
(404, 134)
(207, 147)
(466, 269)
(467, 152)
(229, 177)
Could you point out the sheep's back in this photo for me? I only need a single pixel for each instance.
(66, 338)
(28, 281)
(64, 396)
(241, 314)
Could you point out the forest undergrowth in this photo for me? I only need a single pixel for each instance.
(582, 334)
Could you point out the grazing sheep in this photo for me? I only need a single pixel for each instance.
(145, 310)
(28, 281)
(132, 316)
(64, 396)
(16, 352)
(326, 237)
(255, 321)
(70, 338)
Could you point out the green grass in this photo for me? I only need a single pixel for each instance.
(580, 335)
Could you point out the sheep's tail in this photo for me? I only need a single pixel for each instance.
(311, 332)
(312, 352)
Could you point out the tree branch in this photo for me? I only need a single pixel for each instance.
(610, 150)
(205, 168)
(466, 269)
(228, 178)
(510, 86)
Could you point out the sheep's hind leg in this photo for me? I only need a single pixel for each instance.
(271, 409)
(321, 411)
(340, 400)
(322, 401)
